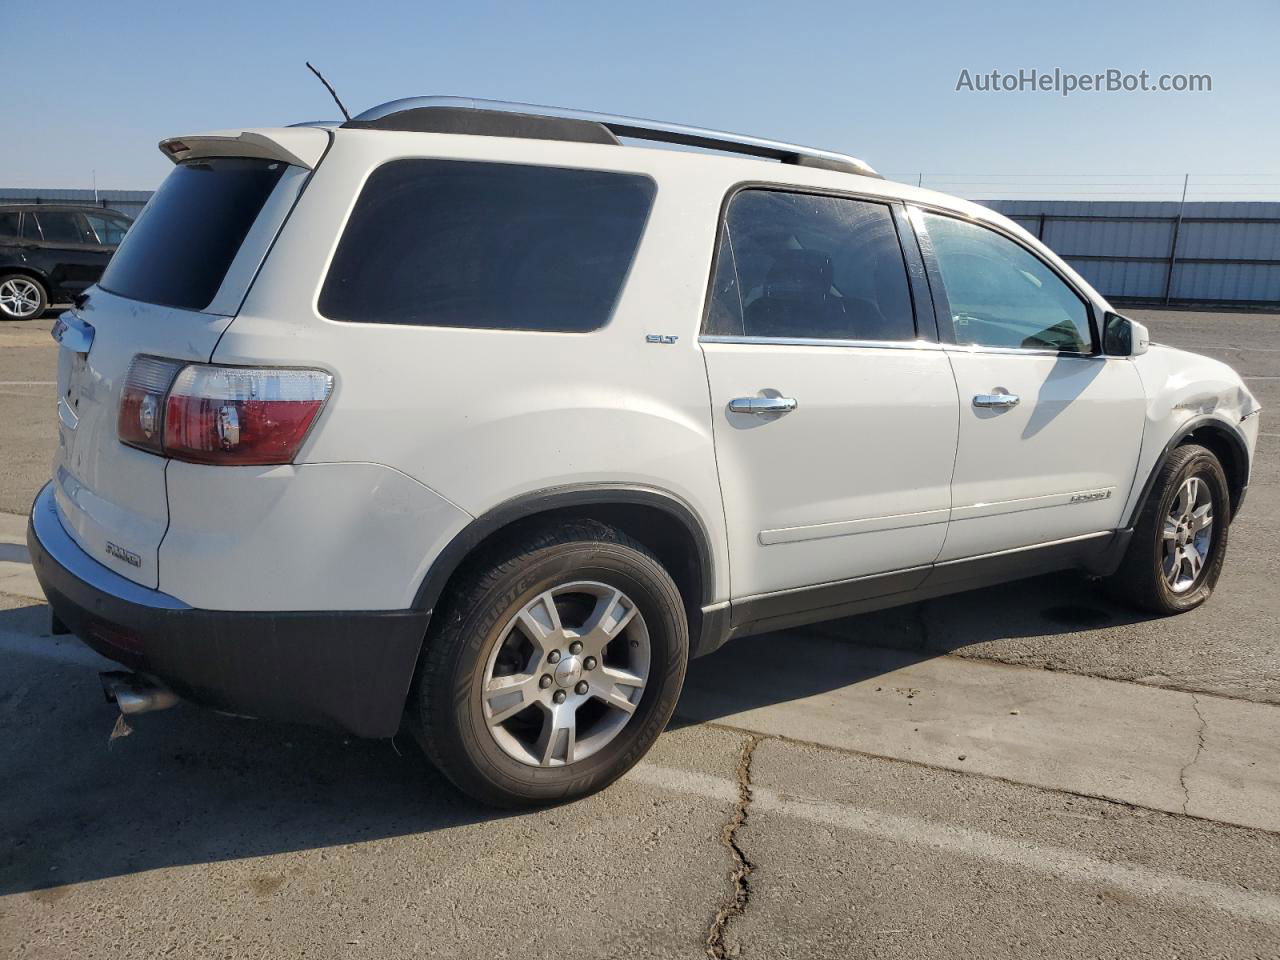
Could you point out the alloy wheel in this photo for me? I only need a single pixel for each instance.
(566, 674)
(19, 297)
(1187, 535)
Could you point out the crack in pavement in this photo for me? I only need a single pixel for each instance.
(1182, 774)
(739, 879)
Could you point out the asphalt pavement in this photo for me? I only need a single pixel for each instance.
(1008, 773)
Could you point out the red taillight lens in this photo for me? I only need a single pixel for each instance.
(141, 422)
(223, 415)
(236, 415)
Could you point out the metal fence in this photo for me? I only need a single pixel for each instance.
(1164, 252)
(128, 202)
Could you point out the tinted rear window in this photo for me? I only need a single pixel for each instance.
(496, 246)
(59, 227)
(8, 224)
(178, 251)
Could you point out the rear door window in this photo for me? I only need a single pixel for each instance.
(806, 266)
(60, 226)
(487, 245)
(8, 225)
(179, 249)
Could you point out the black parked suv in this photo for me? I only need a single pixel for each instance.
(50, 253)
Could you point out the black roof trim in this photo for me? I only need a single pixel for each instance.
(500, 118)
(488, 123)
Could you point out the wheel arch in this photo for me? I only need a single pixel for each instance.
(663, 522)
(35, 273)
(1228, 445)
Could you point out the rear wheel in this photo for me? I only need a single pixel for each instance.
(21, 297)
(1180, 541)
(553, 667)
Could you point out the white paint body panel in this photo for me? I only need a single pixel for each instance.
(1076, 432)
(342, 536)
(482, 416)
(854, 481)
(107, 492)
(1180, 386)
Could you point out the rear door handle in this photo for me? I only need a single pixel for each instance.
(763, 406)
(996, 400)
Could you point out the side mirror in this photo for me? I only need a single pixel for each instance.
(1122, 337)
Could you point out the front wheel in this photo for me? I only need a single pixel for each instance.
(21, 297)
(553, 667)
(1180, 540)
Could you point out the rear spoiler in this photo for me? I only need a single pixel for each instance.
(299, 146)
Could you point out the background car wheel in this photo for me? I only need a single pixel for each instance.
(21, 297)
(553, 667)
(1180, 540)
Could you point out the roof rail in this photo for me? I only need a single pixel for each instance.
(384, 117)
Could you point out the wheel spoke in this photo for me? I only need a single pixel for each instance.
(1202, 517)
(618, 688)
(540, 621)
(1190, 489)
(507, 696)
(1182, 505)
(558, 740)
(613, 611)
(1194, 561)
(1170, 530)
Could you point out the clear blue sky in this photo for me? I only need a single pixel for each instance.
(876, 80)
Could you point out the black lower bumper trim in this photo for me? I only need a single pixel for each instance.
(348, 670)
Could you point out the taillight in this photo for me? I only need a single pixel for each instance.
(222, 415)
(142, 404)
(242, 416)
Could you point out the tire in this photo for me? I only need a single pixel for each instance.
(1147, 577)
(495, 629)
(22, 297)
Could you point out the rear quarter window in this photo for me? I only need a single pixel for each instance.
(487, 245)
(179, 249)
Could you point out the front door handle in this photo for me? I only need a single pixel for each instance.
(762, 406)
(998, 400)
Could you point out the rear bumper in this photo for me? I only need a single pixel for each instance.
(348, 670)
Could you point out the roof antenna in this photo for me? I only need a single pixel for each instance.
(328, 87)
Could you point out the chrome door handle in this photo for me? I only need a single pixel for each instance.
(996, 400)
(763, 406)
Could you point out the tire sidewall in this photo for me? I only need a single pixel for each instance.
(1203, 464)
(462, 718)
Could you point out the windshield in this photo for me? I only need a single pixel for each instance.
(178, 251)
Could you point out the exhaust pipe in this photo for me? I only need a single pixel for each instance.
(134, 693)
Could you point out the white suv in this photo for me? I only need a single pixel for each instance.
(467, 414)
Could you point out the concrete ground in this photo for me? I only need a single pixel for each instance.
(1010, 773)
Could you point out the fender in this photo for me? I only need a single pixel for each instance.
(1185, 430)
(557, 498)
